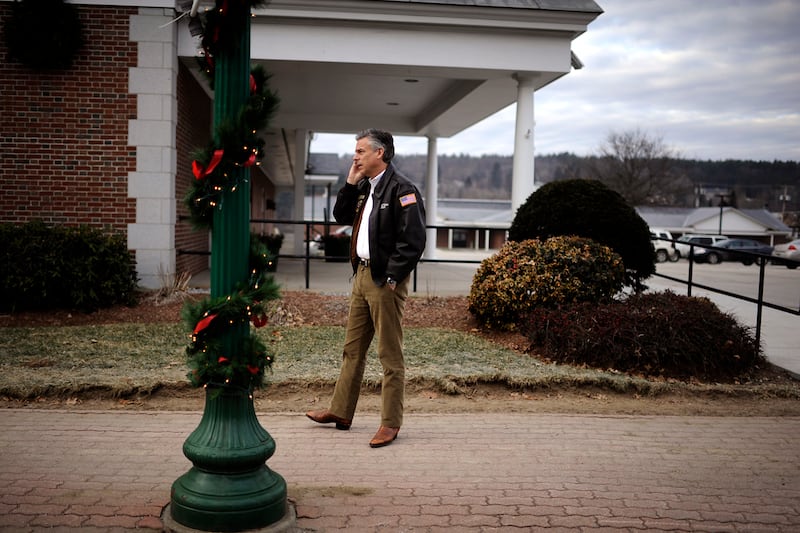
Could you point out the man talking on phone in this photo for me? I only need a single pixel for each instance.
(388, 217)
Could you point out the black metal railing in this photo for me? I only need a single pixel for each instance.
(758, 259)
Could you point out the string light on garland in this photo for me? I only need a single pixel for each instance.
(214, 167)
(210, 319)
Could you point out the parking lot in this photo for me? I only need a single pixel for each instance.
(781, 285)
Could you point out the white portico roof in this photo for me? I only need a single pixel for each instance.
(413, 67)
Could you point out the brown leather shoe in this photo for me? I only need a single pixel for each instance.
(384, 437)
(326, 417)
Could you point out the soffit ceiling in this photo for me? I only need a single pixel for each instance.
(418, 67)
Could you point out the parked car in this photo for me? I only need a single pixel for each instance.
(317, 245)
(663, 245)
(790, 251)
(683, 246)
(744, 250)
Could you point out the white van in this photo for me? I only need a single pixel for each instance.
(664, 247)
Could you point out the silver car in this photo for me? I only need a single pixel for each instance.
(790, 251)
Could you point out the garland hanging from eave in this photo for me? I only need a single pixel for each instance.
(44, 34)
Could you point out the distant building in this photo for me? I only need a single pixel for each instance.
(483, 224)
(757, 224)
(479, 224)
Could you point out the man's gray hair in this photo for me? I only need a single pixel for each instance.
(379, 139)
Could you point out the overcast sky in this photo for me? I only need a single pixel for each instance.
(714, 79)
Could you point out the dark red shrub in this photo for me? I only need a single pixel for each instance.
(656, 334)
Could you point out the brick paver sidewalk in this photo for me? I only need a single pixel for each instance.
(109, 471)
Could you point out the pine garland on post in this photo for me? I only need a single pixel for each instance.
(208, 320)
(236, 144)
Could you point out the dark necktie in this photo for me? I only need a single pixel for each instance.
(356, 227)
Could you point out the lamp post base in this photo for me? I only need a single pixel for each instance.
(229, 487)
(287, 524)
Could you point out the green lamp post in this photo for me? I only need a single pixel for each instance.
(230, 487)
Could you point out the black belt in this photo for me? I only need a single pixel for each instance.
(363, 262)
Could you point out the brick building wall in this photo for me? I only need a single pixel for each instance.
(109, 141)
(195, 110)
(64, 153)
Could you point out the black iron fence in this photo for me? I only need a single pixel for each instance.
(309, 241)
(760, 260)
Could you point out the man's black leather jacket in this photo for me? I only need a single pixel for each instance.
(396, 225)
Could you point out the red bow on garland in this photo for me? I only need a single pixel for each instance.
(200, 172)
(203, 324)
(259, 321)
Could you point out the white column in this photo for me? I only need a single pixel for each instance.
(301, 142)
(522, 171)
(431, 197)
(152, 133)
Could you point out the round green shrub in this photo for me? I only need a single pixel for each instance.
(587, 208)
(530, 273)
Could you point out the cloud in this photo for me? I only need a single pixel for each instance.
(715, 79)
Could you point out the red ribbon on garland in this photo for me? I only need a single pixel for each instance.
(200, 172)
(203, 324)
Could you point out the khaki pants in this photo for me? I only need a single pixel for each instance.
(374, 311)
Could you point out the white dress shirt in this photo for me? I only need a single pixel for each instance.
(362, 239)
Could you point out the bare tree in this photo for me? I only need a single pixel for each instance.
(640, 168)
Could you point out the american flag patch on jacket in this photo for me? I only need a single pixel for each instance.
(408, 199)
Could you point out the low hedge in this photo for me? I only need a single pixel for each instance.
(43, 267)
(655, 334)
